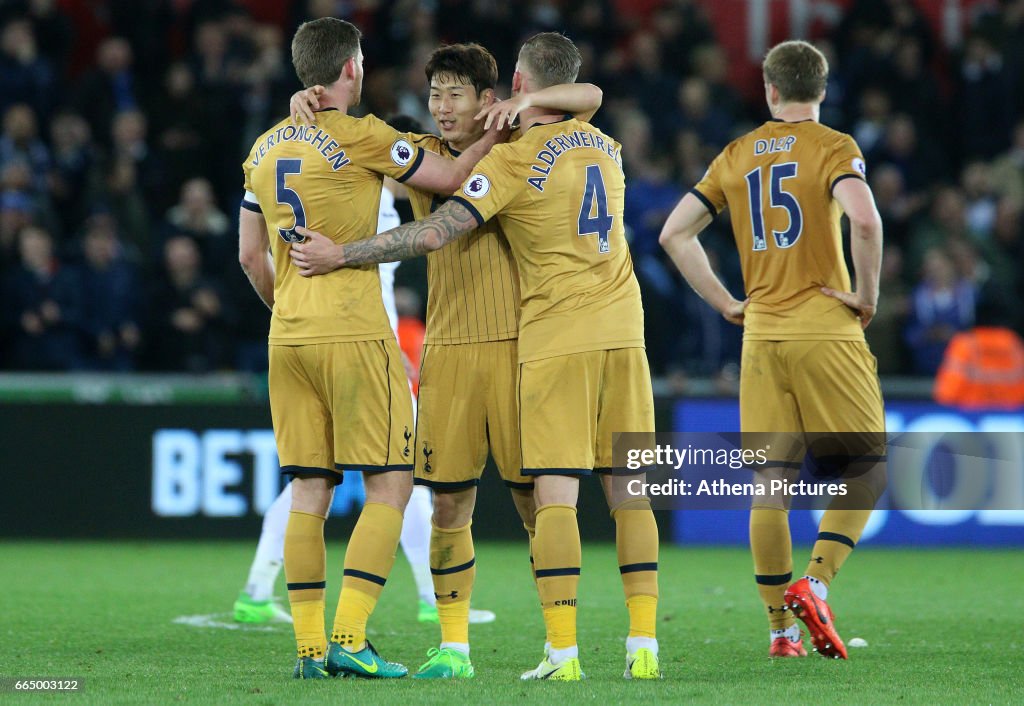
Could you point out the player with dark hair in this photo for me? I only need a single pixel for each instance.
(467, 396)
(806, 368)
(339, 396)
(557, 193)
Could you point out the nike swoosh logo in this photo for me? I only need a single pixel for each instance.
(821, 616)
(371, 668)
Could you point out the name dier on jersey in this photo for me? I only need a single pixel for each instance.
(560, 144)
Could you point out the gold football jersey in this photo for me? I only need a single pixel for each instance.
(472, 284)
(326, 177)
(558, 194)
(777, 182)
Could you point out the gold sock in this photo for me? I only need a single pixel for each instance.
(557, 558)
(636, 542)
(453, 568)
(305, 567)
(368, 561)
(772, 548)
(839, 532)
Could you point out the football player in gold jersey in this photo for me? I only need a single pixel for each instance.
(558, 193)
(338, 393)
(467, 400)
(806, 368)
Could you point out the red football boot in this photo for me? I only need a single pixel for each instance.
(784, 647)
(817, 616)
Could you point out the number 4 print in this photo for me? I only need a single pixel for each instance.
(600, 222)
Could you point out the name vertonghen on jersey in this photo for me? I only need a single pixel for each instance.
(314, 136)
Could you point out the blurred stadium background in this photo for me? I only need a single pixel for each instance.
(132, 349)
(126, 315)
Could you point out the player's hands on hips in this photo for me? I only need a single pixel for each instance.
(502, 113)
(734, 312)
(317, 254)
(865, 309)
(304, 104)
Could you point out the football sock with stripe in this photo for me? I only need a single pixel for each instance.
(557, 557)
(305, 567)
(368, 561)
(453, 569)
(636, 543)
(772, 548)
(839, 531)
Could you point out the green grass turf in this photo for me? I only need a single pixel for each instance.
(943, 626)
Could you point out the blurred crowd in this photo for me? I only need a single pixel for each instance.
(124, 125)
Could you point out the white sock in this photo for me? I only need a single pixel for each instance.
(269, 559)
(558, 656)
(462, 647)
(819, 588)
(640, 643)
(415, 540)
(792, 633)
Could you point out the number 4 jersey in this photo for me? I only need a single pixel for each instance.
(777, 182)
(326, 177)
(558, 194)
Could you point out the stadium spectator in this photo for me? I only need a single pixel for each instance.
(870, 127)
(111, 295)
(979, 192)
(25, 76)
(986, 100)
(885, 335)
(74, 162)
(178, 124)
(196, 215)
(898, 209)
(941, 306)
(20, 143)
(1008, 168)
(41, 307)
(189, 326)
(110, 88)
(15, 215)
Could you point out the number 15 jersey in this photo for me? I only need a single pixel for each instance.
(558, 194)
(777, 182)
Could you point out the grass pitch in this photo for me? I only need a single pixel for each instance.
(942, 626)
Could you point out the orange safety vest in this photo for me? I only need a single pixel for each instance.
(982, 369)
(410, 339)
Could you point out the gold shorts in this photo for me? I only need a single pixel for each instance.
(817, 397)
(571, 406)
(339, 407)
(467, 406)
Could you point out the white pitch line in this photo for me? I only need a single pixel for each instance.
(220, 621)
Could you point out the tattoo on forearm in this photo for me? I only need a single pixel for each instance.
(413, 239)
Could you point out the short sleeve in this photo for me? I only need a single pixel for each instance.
(492, 186)
(384, 150)
(709, 189)
(249, 200)
(845, 162)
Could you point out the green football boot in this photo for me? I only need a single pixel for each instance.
(427, 613)
(366, 663)
(247, 610)
(446, 663)
(309, 668)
